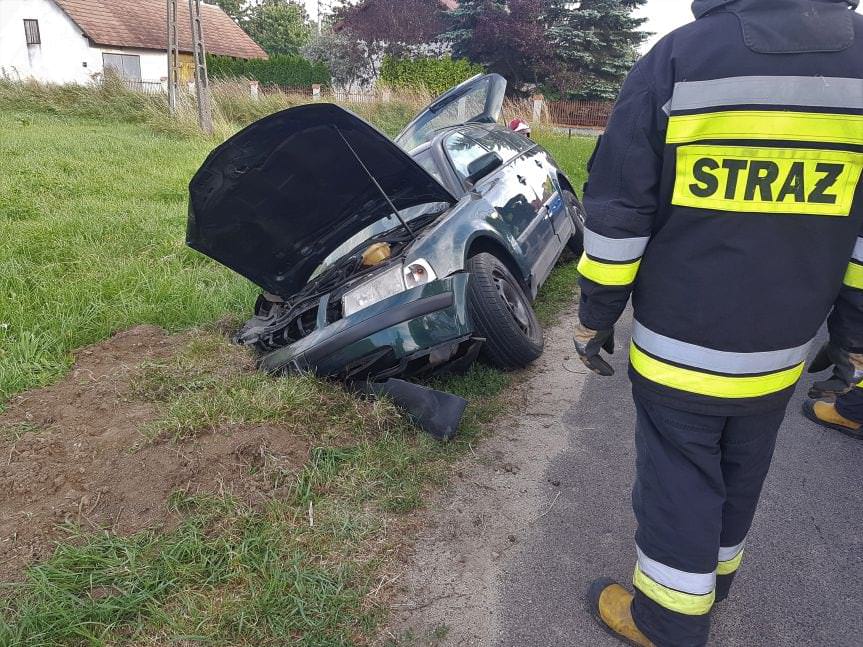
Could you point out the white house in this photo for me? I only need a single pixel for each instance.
(75, 41)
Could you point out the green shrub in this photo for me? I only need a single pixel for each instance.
(279, 69)
(436, 75)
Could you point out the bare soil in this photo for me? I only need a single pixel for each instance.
(75, 453)
(447, 592)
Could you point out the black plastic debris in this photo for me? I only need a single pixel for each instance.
(437, 413)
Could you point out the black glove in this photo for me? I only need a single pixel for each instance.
(845, 375)
(588, 343)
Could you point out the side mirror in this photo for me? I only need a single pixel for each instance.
(483, 166)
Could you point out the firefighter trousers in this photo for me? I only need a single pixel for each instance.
(850, 405)
(698, 482)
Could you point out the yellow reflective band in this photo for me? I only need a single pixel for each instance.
(685, 603)
(729, 567)
(767, 125)
(608, 273)
(717, 386)
(854, 276)
(767, 180)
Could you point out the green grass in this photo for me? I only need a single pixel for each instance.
(92, 220)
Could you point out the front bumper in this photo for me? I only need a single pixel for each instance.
(429, 324)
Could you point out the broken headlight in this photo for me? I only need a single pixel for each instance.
(386, 284)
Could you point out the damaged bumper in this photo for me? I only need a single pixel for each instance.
(414, 332)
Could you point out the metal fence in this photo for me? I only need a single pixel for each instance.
(585, 114)
(147, 87)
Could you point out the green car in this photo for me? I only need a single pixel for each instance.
(381, 258)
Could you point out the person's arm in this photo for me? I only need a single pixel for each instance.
(846, 320)
(844, 351)
(621, 200)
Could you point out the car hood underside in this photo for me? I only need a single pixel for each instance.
(276, 199)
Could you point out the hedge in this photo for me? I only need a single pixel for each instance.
(433, 74)
(281, 69)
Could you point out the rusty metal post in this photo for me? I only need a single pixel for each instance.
(173, 56)
(202, 81)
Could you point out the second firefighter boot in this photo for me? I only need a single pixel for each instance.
(827, 415)
(610, 604)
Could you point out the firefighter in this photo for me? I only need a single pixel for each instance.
(724, 198)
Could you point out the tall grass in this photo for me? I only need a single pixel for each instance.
(233, 105)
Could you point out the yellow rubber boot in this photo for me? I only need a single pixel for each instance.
(610, 605)
(826, 415)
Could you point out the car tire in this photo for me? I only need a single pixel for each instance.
(576, 210)
(502, 314)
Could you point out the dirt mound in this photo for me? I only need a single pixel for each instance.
(75, 452)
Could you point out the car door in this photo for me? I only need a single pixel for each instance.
(510, 192)
(477, 100)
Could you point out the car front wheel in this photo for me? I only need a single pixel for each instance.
(576, 210)
(502, 314)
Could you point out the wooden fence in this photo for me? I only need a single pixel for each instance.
(583, 114)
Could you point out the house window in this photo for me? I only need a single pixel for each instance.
(126, 66)
(31, 31)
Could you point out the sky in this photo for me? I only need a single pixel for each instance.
(664, 16)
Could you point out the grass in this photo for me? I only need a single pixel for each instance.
(92, 219)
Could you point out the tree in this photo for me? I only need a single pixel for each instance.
(279, 26)
(394, 27)
(395, 24)
(581, 50)
(346, 59)
(234, 8)
(596, 44)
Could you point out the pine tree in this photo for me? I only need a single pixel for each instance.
(596, 46)
(578, 50)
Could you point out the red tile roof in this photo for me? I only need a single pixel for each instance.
(142, 24)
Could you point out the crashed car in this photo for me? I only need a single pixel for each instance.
(381, 258)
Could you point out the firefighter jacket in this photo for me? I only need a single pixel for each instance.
(725, 198)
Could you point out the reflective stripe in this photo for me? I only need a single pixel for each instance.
(854, 276)
(694, 583)
(858, 251)
(812, 91)
(685, 603)
(717, 386)
(730, 565)
(720, 361)
(726, 554)
(767, 125)
(607, 273)
(614, 249)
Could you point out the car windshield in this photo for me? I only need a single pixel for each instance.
(377, 228)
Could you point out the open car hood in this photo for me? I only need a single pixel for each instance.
(275, 200)
(477, 100)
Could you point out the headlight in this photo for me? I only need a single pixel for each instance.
(418, 273)
(386, 284)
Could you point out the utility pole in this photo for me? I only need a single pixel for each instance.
(173, 56)
(320, 17)
(202, 81)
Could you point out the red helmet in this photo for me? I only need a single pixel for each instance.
(519, 126)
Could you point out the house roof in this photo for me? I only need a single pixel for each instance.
(450, 4)
(142, 24)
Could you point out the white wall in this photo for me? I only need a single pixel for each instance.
(61, 56)
(65, 55)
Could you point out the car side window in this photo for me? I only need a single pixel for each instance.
(505, 144)
(462, 151)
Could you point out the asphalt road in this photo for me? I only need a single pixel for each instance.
(801, 582)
